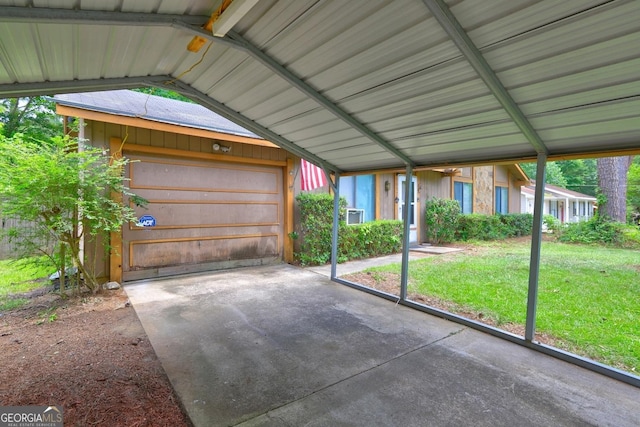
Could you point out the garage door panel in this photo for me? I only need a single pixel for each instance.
(175, 175)
(170, 252)
(208, 214)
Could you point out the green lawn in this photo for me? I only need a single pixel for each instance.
(589, 297)
(19, 277)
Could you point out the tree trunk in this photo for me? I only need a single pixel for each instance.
(612, 181)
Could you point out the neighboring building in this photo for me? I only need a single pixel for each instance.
(220, 197)
(563, 204)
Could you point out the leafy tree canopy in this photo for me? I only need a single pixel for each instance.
(164, 93)
(554, 174)
(33, 117)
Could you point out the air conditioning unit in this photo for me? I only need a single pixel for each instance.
(355, 216)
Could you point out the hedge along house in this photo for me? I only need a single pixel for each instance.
(219, 196)
(485, 189)
(364, 86)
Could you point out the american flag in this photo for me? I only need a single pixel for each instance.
(312, 176)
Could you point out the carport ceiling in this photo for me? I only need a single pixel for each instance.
(361, 84)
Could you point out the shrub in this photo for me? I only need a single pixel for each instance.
(316, 222)
(551, 223)
(354, 241)
(441, 220)
(517, 225)
(492, 227)
(370, 239)
(594, 231)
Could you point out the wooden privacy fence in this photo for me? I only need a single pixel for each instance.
(7, 248)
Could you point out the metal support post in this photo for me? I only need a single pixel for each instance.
(536, 243)
(406, 217)
(336, 217)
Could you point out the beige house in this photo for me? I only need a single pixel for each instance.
(486, 189)
(220, 197)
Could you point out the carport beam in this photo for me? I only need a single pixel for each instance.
(336, 221)
(406, 234)
(536, 242)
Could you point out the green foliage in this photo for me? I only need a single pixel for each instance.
(517, 225)
(581, 175)
(597, 231)
(64, 192)
(316, 221)
(375, 238)
(442, 217)
(354, 241)
(554, 174)
(164, 93)
(493, 227)
(33, 117)
(551, 223)
(633, 189)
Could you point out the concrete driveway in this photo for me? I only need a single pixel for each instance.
(284, 346)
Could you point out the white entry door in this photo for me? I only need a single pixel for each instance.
(413, 214)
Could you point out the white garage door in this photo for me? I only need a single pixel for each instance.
(202, 215)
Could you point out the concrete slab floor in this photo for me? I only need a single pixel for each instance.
(284, 346)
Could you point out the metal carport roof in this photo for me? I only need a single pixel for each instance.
(362, 85)
(358, 85)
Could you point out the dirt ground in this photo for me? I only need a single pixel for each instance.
(89, 355)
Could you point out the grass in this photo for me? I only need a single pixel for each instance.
(19, 276)
(588, 296)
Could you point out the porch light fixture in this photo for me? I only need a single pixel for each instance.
(223, 148)
(387, 186)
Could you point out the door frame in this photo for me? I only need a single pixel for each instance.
(413, 227)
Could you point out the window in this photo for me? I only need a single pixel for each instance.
(553, 208)
(360, 192)
(502, 200)
(463, 193)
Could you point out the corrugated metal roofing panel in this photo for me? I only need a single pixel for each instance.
(388, 75)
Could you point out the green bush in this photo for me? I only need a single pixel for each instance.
(316, 221)
(597, 231)
(441, 220)
(517, 225)
(354, 241)
(370, 239)
(493, 227)
(552, 223)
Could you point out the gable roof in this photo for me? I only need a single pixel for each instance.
(358, 85)
(555, 191)
(129, 103)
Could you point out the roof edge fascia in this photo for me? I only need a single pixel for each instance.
(145, 123)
